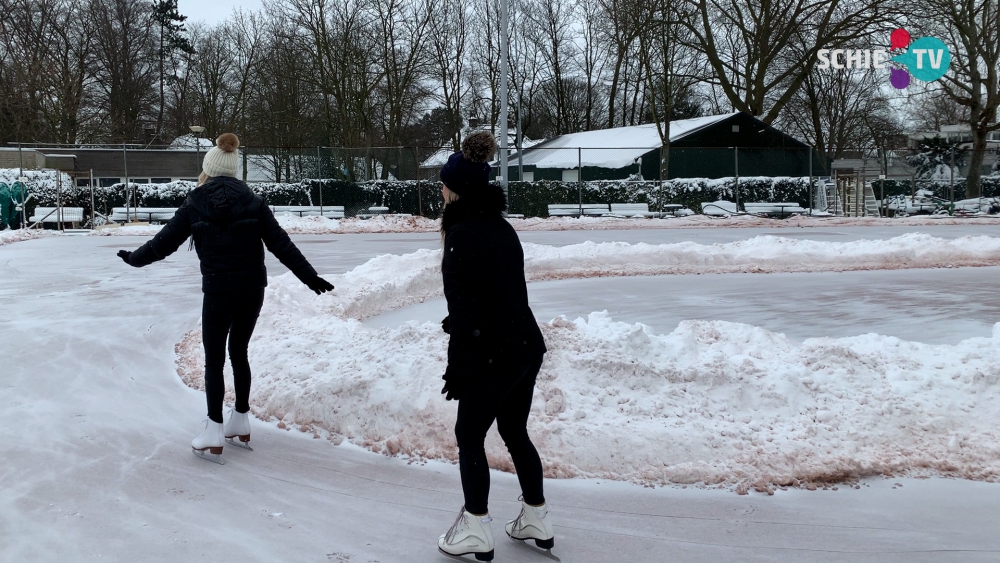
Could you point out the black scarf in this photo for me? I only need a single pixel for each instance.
(479, 204)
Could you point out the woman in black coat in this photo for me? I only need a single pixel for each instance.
(229, 226)
(494, 352)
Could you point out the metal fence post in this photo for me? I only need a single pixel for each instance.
(59, 213)
(736, 165)
(93, 224)
(812, 186)
(579, 177)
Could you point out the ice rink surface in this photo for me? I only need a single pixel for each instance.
(97, 425)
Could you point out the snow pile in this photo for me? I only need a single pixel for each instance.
(16, 235)
(128, 231)
(758, 254)
(710, 403)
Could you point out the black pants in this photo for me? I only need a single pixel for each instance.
(505, 398)
(233, 316)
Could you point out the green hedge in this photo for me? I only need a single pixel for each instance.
(941, 188)
(527, 198)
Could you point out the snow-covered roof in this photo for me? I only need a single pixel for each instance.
(440, 158)
(188, 142)
(611, 148)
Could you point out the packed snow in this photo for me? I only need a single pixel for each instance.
(294, 224)
(16, 235)
(711, 403)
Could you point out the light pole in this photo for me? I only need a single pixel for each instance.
(197, 130)
(504, 72)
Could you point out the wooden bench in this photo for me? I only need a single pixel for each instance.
(328, 211)
(769, 209)
(574, 209)
(721, 208)
(72, 215)
(148, 214)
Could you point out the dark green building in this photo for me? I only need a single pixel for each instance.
(718, 146)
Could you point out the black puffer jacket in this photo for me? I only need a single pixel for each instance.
(230, 226)
(489, 319)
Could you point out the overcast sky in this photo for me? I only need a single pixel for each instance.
(213, 11)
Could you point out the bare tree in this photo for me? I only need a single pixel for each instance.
(761, 51)
(973, 30)
(550, 24)
(126, 56)
(404, 27)
(448, 52)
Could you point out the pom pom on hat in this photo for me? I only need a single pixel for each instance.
(479, 146)
(222, 159)
(470, 168)
(228, 142)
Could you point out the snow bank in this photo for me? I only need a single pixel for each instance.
(712, 403)
(10, 236)
(414, 224)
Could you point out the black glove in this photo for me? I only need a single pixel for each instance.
(446, 325)
(124, 255)
(454, 384)
(319, 285)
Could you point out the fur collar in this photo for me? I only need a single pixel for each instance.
(488, 203)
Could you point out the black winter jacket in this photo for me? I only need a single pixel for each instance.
(230, 226)
(489, 320)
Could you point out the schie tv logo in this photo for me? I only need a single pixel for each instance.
(926, 59)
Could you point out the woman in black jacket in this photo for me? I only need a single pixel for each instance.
(229, 226)
(494, 352)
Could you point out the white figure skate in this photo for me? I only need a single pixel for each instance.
(469, 535)
(238, 426)
(208, 444)
(533, 523)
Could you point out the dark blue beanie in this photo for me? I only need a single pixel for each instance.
(460, 174)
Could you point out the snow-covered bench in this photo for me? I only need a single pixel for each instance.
(71, 215)
(779, 209)
(328, 211)
(574, 209)
(148, 214)
(721, 208)
(632, 210)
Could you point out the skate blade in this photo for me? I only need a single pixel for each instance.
(239, 443)
(546, 552)
(208, 456)
(488, 556)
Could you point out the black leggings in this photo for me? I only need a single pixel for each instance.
(233, 316)
(509, 404)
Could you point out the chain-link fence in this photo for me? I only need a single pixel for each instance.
(405, 179)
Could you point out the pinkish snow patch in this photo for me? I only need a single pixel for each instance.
(710, 403)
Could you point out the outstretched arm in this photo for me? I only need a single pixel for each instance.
(165, 243)
(276, 240)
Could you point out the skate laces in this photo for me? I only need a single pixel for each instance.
(460, 525)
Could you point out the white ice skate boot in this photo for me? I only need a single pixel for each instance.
(469, 534)
(533, 523)
(208, 444)
(238, 426)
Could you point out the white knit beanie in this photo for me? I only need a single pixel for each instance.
(221, 160)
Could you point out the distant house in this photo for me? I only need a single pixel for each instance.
(181, 160)
(431, 167)
(716, 146)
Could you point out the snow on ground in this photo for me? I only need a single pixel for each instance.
(712, 402)
(96, 429)
(10, 235)
(414, 224)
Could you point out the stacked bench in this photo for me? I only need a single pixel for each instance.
(72, 215)
(328, 211)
